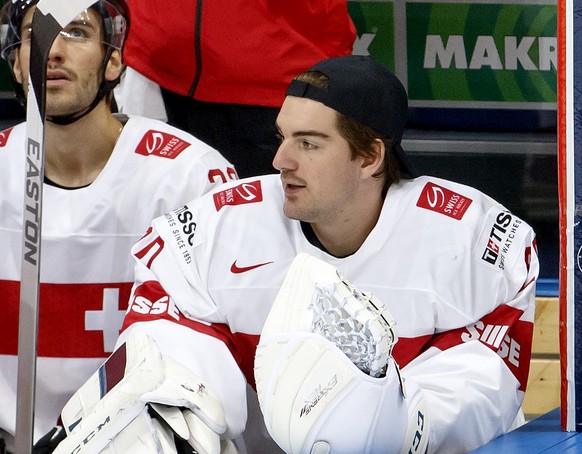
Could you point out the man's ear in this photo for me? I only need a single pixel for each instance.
(114, 66)
(17, 69)
(373, 163)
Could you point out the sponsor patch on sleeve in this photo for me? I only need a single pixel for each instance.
(500, 241)
(244, 193)
(181, 226)
(161, 144)
(4, 137)
(444, 201)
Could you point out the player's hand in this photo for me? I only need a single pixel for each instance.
(48, 443)
(152, 404)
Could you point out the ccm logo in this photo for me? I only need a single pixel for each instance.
(90, 436)
(162, 306)
(417, 441)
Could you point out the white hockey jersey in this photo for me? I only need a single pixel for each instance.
(456, 270)
(86, 265)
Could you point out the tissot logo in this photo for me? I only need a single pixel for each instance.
(500, 239)
(158, 143)
(239, 195)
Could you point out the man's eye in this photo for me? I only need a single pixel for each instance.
(74, 33)
(308, 145)
(78, 33)
(279, 137)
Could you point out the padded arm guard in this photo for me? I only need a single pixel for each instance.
(325, 377)
(138, 401)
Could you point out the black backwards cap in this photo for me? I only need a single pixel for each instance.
(364, 90)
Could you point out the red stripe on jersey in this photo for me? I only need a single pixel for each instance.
(503, 332)
(406, 349)
(152, 249)
(74, 319)
(150, 302)
(527, 258)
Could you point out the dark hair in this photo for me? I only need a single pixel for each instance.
(360, 137)
(114, 26)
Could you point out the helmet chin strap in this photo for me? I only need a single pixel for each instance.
(68, 119)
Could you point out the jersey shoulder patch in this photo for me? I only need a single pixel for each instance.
(442, 200)
(4, 135)
(162, 144)
(241, 194)
(501, 240)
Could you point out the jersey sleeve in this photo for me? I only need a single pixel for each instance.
(168, 302)
(171, 167)
(214, 168)
(473, 378)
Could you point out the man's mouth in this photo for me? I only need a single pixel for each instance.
(57, 75)
(292, 187)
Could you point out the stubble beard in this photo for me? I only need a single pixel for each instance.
(299, 213)
(61, 102)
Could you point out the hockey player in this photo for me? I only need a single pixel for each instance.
(106, 176)
(249, 283)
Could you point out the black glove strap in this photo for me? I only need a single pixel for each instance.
(49, 442)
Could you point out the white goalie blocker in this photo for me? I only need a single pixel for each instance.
(326, 380)
(142, 402)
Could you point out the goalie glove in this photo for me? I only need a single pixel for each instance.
(141, 402)
(325, 377)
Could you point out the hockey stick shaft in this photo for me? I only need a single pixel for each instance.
(49, 18)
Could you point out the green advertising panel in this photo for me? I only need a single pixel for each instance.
(375, 24)
(480, 54)
(503, 53)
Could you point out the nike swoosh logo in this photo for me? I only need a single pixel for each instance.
(234, 268)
